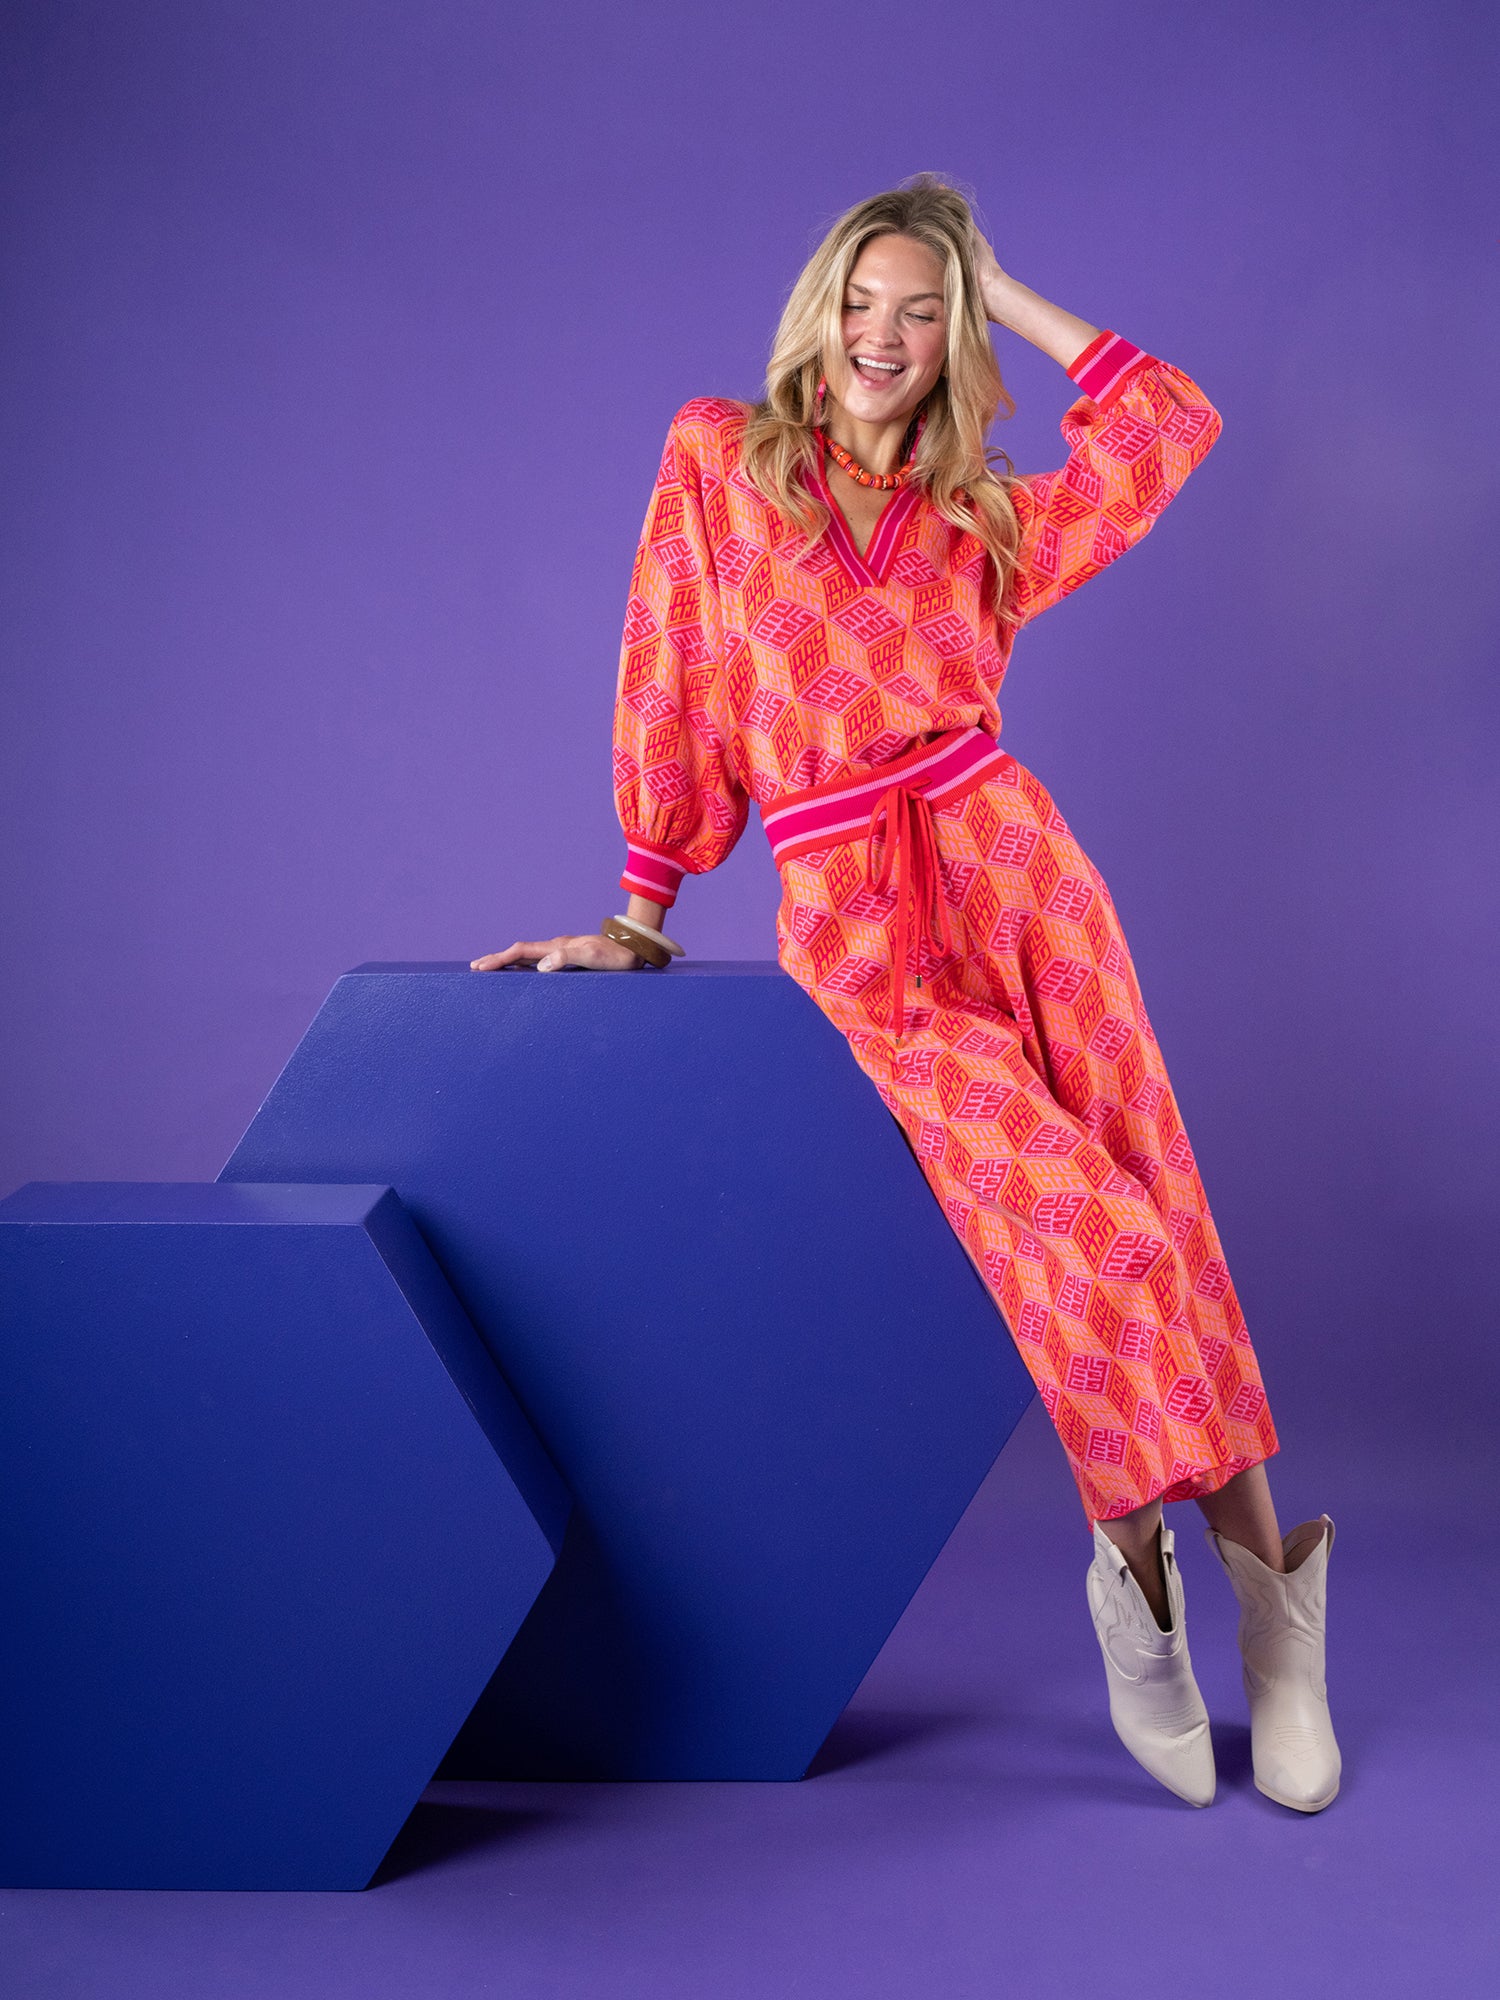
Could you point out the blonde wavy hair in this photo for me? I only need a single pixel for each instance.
(953, 463)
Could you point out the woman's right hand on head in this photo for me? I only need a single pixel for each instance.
(599, 954)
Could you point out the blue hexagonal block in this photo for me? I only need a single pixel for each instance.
(708, 1263)
(269, 1517)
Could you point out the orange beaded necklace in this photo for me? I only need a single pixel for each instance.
(881, 482)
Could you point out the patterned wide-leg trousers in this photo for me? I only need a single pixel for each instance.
(1030, 1087)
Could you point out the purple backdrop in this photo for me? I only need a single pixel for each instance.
(339, 346)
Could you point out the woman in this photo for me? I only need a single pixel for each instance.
(822, 608)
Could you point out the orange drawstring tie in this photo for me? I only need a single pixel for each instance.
(904, 819)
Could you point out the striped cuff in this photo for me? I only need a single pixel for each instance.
(1103, 365)
(651, 872)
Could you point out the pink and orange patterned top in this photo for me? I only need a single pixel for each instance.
(756, 662)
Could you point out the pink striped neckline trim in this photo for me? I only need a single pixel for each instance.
(874, 565)
(823, 815)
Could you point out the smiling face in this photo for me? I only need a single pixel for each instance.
(895, 331)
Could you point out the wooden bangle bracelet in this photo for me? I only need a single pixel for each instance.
(632, 941)
(655, 937)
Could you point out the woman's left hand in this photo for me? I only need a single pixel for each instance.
(992, 280)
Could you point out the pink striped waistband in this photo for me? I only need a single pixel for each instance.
(941, 771)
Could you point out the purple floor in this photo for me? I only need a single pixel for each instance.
(973, 1829)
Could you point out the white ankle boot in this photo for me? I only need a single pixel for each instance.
(1292, 1746)
(1154, 1701)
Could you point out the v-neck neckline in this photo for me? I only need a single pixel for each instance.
(874, 566)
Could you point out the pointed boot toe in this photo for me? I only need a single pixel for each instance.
(1283, 1617)
(1296, 1770)
(1154, 1702)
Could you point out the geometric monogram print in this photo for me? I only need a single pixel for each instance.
(1026, 1077)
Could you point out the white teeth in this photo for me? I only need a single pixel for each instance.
(888, 367)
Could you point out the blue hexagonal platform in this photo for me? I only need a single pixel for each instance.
(269, 1517)
(710, 1267)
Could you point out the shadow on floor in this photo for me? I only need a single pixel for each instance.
(1232, 1755)
(860, 1735)
(440, 1830)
